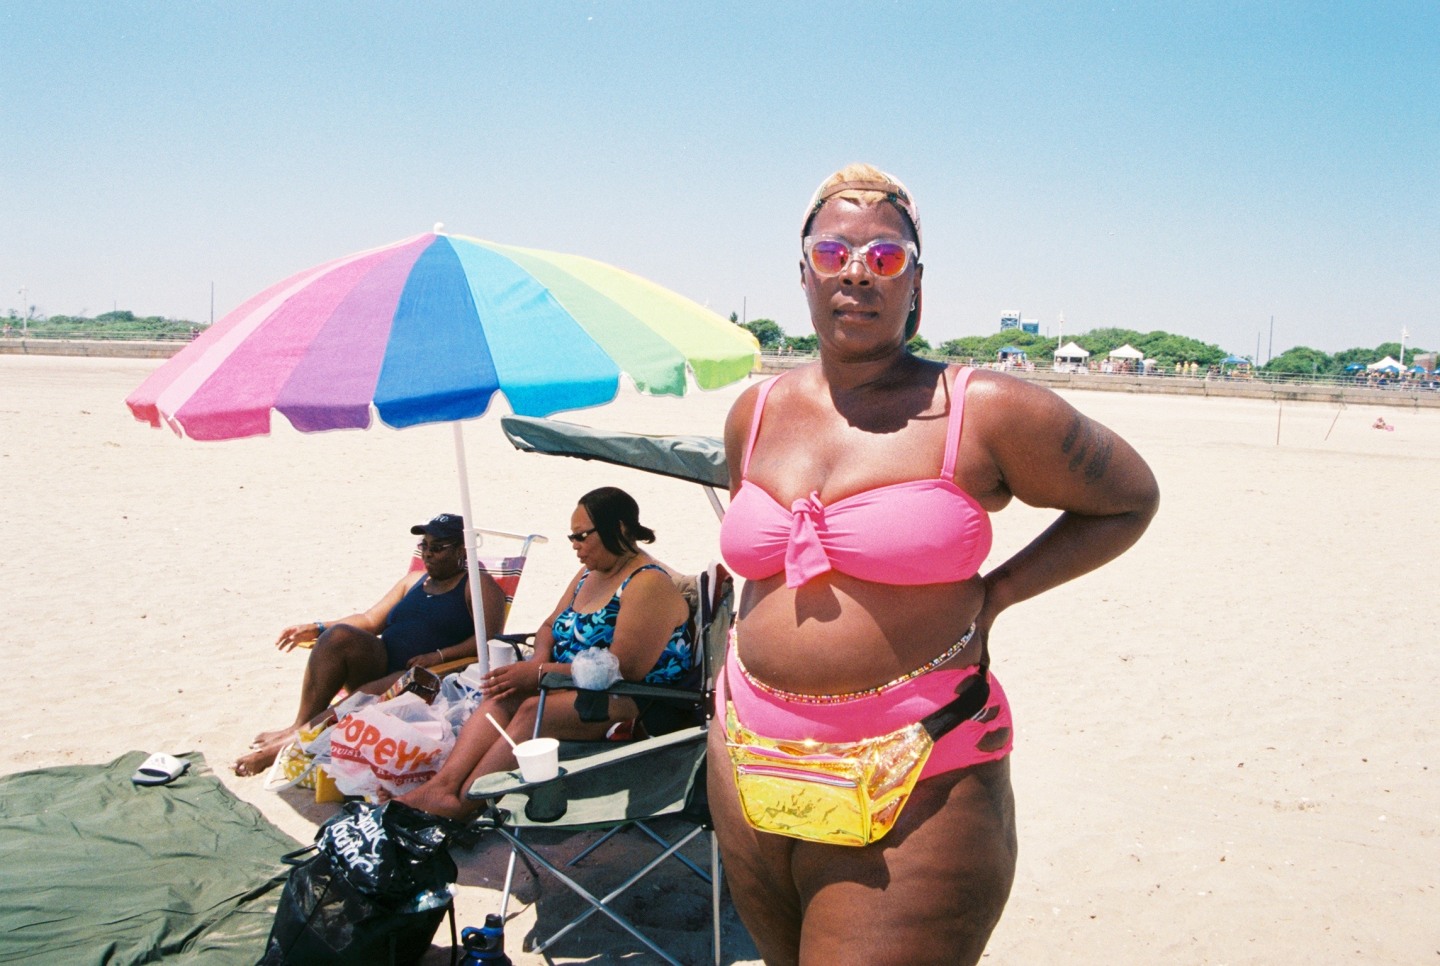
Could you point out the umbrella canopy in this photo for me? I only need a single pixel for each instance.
(695, 459)
(1234, 361)
(428, 329)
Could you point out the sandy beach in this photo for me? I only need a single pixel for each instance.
(1226, 747)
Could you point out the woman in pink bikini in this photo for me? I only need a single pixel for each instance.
(858, 768)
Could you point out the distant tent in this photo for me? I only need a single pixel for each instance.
(1126, 351)
(1352, 367)
(1009, 351)
(1070, 352)
(1386, 363)
(1235, 361)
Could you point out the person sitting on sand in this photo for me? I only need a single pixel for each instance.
(1381, 424)
(623, 599)
(425, 619)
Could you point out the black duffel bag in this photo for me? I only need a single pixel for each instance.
(372, 889)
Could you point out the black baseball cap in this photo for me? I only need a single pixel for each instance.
(446, 526)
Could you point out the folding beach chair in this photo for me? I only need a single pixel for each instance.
(612, 786)
(505, 570)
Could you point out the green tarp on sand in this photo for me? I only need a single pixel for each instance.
(96, 870)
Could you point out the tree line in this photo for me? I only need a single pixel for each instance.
(111, 325)
(1166, 348)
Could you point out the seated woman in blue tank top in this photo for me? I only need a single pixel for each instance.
(424, 619)
(622, 599)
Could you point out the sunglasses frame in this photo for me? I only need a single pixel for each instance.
(580, 536)
(862, 252)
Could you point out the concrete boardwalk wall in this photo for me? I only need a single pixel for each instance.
(1335, 393)
(104, 348)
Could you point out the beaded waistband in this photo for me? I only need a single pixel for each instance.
(925, 668)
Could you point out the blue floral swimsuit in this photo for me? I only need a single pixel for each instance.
(575, 632)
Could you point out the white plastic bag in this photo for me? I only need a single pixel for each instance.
(393, 745)
(595, 669)
(460, 694)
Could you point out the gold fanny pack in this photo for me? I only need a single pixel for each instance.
(840, 792)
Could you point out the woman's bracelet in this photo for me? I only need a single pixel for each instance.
(319, 628)
(440, 654)
(541, 676)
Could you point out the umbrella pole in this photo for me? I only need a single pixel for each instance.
(472, 560)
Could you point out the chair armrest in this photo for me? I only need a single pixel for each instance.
(559, 681)
(501, 783)
(461, 663)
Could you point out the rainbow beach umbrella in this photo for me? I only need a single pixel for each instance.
(428, 330)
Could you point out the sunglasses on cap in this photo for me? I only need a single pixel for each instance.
(883, 257)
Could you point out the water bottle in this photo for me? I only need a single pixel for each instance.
(485, 946)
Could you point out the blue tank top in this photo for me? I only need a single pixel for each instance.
(575, 632)
(424, 622)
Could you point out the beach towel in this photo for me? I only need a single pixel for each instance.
(94, 869)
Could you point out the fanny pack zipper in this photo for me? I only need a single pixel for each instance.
(776, 771)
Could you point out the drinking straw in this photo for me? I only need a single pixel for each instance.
(503, 733)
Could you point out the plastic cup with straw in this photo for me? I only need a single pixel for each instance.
(539, 758)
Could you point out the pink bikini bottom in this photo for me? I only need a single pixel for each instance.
(871, 715)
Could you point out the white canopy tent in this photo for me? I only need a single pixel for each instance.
(1127, 351)
(1070, 352)
(1386, 363)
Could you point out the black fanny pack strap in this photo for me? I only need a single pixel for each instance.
(973, 694)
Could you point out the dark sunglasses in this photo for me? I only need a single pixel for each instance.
(883, 257)
(439, 546)
(580, 537)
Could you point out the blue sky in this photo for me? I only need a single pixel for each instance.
(1196, 167)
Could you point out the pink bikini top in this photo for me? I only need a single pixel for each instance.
(915, 532)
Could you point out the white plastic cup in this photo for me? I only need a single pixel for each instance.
(539, 759)
(501, 654)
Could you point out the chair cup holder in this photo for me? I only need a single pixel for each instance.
(547, 801)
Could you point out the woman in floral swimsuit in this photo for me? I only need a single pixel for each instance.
(649, 635)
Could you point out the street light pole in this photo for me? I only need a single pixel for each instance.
(1403, 335)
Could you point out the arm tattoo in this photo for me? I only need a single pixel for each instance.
(1089, 447)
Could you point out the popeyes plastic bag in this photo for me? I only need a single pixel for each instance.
(393, 745)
